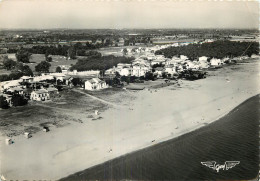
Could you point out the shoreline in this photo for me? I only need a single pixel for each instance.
(137, 160)
(147, 124)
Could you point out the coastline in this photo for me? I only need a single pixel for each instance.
(171, 159)
(129, 130)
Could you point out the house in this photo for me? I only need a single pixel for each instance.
(203, 58)
(40, 95)
(17, 90)
(183, 57)
(123, 65)
(215, 62)
(9, 84)
(159, 71)
(67, 79)
(26, 79)
(140, 70)
(126, 71)
(43, 78)
(170, 69)
(95, 84)
(203, 63)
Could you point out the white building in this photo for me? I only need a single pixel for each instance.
(183, 57)
(95, 84)
(140, 70)
(203, 58)
(40, 95)
(215, 62)
(126, 71)
(170, 69)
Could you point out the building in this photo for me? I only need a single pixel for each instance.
(170, 69)
(140, 70)
(40, 95)
(9, 84)
(215, 62)
(26, 79)
(95, 84)
(16, 90)
(159, 71)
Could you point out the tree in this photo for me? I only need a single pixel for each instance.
(27, 71)
(72, 53)
(58, 69)
(49, 59)
(43, 67)
(76, 81)
(3, 103)
(18, 100)
(23, 56)
(149, 76)
(4, 77)
(125, 51)
(9, 64)
(15, 75)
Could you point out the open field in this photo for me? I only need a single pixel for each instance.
(37, 58)
(150, 117)
(62, 110)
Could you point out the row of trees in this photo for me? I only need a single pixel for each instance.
(217, 49)
(71, 51)
(99, 63)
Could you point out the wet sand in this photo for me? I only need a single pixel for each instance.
(151, 118)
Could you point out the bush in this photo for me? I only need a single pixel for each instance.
(18, 100)
(23, 56)
(58, 69)
(43, 67)
(9, 64)
(3, 102)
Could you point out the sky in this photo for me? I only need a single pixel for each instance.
(117, 14)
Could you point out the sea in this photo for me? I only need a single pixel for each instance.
(234, 137)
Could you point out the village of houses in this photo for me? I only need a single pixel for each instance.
(44, 87)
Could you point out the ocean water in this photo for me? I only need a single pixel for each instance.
(235, 137)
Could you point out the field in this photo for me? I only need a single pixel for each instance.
(37, 58)
(68, 106)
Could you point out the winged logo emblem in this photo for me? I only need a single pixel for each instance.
(226, 166)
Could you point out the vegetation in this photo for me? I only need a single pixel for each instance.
(23, 56)
(3, 103)
(192, 75)
(17, 70)
(99, 63)
(8, 63)
(43, 67)
(18, 100)
(58, 69)
(217, 49)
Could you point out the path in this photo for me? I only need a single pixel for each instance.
(96, 98)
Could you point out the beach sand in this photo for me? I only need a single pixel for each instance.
(152, 117)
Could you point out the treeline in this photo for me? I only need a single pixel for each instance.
(63, 50)
(217, 49)
(99, 62)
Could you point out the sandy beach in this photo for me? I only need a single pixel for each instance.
(151, 117)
